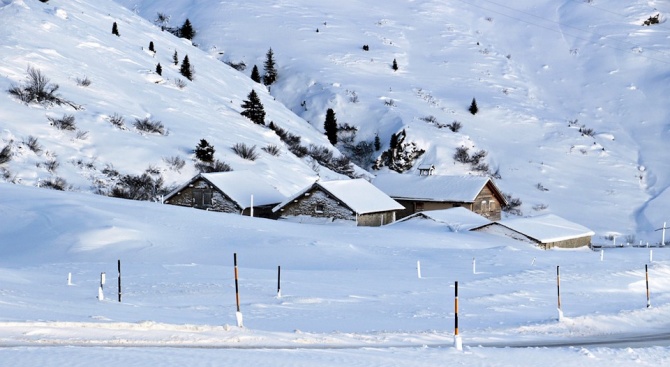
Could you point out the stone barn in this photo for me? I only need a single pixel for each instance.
(241, 192)
(356, 201)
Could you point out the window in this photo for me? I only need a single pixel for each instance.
(485, 207)
(202, 198)
(318, 208)
(418, 207)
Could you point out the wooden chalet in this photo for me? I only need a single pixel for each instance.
(417, 193)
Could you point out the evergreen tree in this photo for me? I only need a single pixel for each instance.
(151, 46)
(204, 151)
(253, 109)
(115, 29)
(473, 107)
(270, 71)
(393, 144)
(159, 69)
(186, 69)
(186, 30)
(255, 75)
(395, 65)
(175, 58)
(378, 143)
(330, 126)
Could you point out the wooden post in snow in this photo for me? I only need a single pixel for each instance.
(558, 288)
(458, 342)
(119, 267)
(278, 281)
(646, 275)
(238, 314)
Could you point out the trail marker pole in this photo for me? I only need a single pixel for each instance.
(646, 275)
(102, 280)
(238, 314)
(119, 268)
(278, 281)
(558, 288)
(69, 278)
(663, 235)
(602, 255)
(418, 268)
(458, 342)
(251, 207)
(474, 266)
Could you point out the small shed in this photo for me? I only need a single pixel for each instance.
(356, 200)
(416, 194)
(426, 169)
(546, 231)
(230, 192)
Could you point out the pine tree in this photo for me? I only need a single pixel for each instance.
(115, 29)
(159, 69)
(330, 126)
(253, 109)
(473, 107)
(255, 75)
(395, 65)
(204, 151)
(270, 71)
(378, 143)
(186, 69)
(175, 58)
(151, 46)
(393, 144)
(186, 30)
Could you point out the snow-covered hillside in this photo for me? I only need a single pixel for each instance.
(539, 71)
(69, 42)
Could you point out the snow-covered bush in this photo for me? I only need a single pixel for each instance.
(64, 123)
(245, 151)
(55, 183)
(5, 154)
(39, 89)
(149, 126)
(271, 149)
(216, 166)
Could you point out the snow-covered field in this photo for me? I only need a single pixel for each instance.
(349, 296)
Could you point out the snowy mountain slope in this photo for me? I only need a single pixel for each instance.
(70, 41)
(538, 70)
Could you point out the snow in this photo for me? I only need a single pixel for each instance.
(241, 185)
(455, 219)
(539, 70)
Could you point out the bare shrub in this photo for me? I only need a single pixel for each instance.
(83, 82)
(462, 155)
(138, 187)
(5, 154)
(455, 126)
(55, 183)
(390, 103)
(38, 89)
(245, 151)
(541, 187)
(175, 163)
(33, 145)
(540, 207)
(118, 121)
(272, 149)
(209, 167)
(239, 66)
(64, 123)
(149, 126)
(180, 83)
(81, 135)
(513, 205)
(430, 119)
(51, 165)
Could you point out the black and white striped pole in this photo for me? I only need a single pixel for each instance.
(119, 267)
(458, 342)
(238, 314)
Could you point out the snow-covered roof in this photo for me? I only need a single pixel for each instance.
(457, 219)
(239, 186)
(547, 228)
(432, 188)
(359, 195)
